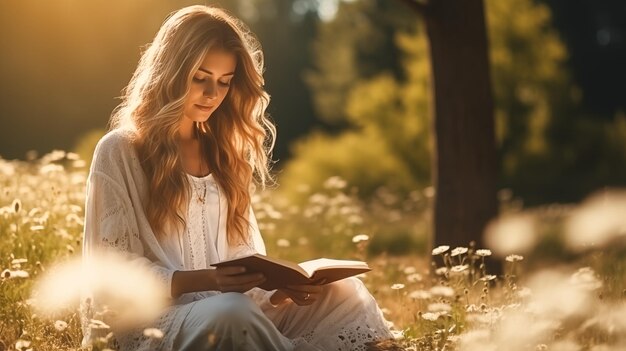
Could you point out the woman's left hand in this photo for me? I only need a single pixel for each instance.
(302, 295)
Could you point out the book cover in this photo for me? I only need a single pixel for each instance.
(280, 273)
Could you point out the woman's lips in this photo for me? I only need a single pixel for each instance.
(204, 108)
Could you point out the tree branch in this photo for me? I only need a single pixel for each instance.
(420, 7)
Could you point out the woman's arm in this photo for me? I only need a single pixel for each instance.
(224, 279)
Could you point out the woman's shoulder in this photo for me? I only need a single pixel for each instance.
(115, 147)
(115, 140)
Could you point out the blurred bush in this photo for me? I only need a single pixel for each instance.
(86, 144)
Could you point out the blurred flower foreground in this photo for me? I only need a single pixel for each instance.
(562, 283)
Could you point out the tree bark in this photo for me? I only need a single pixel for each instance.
(464, 158)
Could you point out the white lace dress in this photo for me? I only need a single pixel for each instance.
(345, 318)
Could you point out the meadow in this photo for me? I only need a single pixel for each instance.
(562, 286)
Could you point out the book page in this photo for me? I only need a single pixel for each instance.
(324, 263)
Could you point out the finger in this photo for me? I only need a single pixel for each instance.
(301, 301)
(232, 270)
(242, 287)
(241, 279)
(300, 298)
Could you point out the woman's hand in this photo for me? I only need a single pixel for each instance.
(234, 279)
(302, 295)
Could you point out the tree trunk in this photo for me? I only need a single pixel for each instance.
(464, 159)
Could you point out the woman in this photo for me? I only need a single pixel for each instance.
(169, 186)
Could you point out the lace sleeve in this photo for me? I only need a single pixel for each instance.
(110, 226)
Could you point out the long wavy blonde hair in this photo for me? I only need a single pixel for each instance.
(236, 140)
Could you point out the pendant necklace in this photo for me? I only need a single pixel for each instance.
(202, 197)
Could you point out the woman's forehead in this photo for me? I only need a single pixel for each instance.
(218, 62)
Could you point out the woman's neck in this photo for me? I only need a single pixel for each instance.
(187, 130)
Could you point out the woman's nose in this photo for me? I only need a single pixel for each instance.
(210, 90)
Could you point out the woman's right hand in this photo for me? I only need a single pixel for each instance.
(235, 279)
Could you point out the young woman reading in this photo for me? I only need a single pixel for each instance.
(170, 188)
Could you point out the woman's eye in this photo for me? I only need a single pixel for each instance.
(225, 84)
(198, 80)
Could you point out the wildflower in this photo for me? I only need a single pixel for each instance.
(459, 251)
(586, 278)
(74, 218)
(16, 274)
(75, 208)
(511, 234)
(483, 252)
(397, 334)
(397, 286)
(419, 295)
(459, 268)
(18, 261)
(413, 278)
(430, 316)
(36, 228)
(153, 333)
(598, 221)
(560, 298)
(439, 307)
(72, 156)
(318, 198)
(98, 324)
(335, 182)
(54, 155)
(283, 243)
(440, 290)
(7, 168)
(51, 168)
(488, 277)
(471, 308)
(441, 270)
(60, 325)
(409, 270)
(440, 249)
(514, 258)
(360, 237)
(22, 345)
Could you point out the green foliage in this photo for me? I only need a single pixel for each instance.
(357, 45)
(541, 133)
(363, 159)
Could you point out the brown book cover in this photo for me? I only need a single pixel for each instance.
(280, 273)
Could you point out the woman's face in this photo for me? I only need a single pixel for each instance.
(210, 85)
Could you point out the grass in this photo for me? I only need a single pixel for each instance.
(552, 298)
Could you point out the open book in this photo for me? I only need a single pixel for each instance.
(280, 273)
